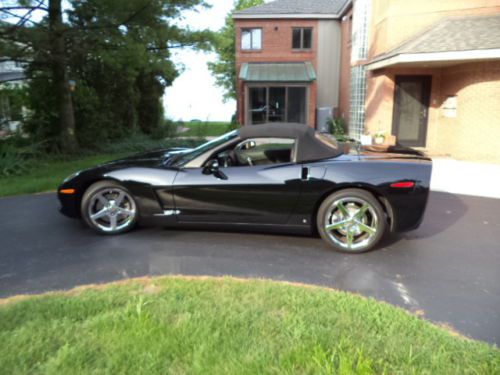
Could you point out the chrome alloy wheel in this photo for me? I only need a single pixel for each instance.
(111, 210)
(351, 223)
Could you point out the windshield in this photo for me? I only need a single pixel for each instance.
(186, 158)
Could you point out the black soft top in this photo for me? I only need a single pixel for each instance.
(309, 144)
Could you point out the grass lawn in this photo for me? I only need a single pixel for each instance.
(225, 326)
(205, 129)
(46, 175)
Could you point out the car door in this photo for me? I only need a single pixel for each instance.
(262, 188)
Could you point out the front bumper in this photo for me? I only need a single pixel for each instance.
(69, 205)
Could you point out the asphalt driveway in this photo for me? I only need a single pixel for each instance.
(448, 270)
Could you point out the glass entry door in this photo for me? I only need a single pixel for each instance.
(277, 104)
(411, 110)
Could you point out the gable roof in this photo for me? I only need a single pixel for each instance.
(295, 9)
(477, 34)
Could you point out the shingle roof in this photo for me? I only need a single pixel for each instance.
(453, 34)
(296, 7)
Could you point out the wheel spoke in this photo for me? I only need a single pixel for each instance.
(366, 228)
(350, 238)
(361, 212)
(342, 209)
(126, 212)
(99, 214)
(119, 199)
(102, 199)
(113, 221)
(336, 225)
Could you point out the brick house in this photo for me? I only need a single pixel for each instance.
(433, 76)
(288, 60)
(427, 72)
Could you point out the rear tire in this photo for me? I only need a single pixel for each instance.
(351, 221)
(109, 208)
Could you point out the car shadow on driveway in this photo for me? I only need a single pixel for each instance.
(443, 211)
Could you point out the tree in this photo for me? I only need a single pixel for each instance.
(60, 83)
(116, 52)
(22, 12)
(224, 70)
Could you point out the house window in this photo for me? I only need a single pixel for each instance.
(277, 104)
(302, 38)
(251, 39)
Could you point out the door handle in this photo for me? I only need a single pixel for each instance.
(305, 174)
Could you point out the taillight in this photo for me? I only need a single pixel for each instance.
(403, 185)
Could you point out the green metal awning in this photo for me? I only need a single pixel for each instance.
(277, 72)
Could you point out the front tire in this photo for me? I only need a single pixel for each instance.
(351, 221)
(109, 208)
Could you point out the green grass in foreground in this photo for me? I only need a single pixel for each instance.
(223, 326)
(47, 174)
(206, 129)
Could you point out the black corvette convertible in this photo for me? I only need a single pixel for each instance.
(283, 177)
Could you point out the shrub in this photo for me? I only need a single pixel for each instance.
(142, 143)
(338, 129)
(16, 156)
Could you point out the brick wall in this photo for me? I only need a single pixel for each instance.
(380, 96)
(474, 134)
(276, 47)
(345, 67)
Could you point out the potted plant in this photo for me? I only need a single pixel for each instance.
(379, 137)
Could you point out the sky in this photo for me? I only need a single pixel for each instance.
(193, 94)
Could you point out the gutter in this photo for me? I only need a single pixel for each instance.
(450, 56)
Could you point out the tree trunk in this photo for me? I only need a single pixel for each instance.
(66, 115)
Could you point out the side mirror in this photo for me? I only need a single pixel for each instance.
(248, 145)
(251, 145)
(212, 167)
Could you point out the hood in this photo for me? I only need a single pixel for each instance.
(153, 158)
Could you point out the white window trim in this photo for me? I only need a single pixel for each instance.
(251, 29)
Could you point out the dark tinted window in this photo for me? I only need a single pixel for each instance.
(302, 38)
(258, 105)
(296, 38)
(306, 38)
(297, 105)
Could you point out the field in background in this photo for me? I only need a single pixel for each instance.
(204, 129)
(41, 173)
(46, 175)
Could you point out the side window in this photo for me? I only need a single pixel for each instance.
(264, 151)
(251, 39)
